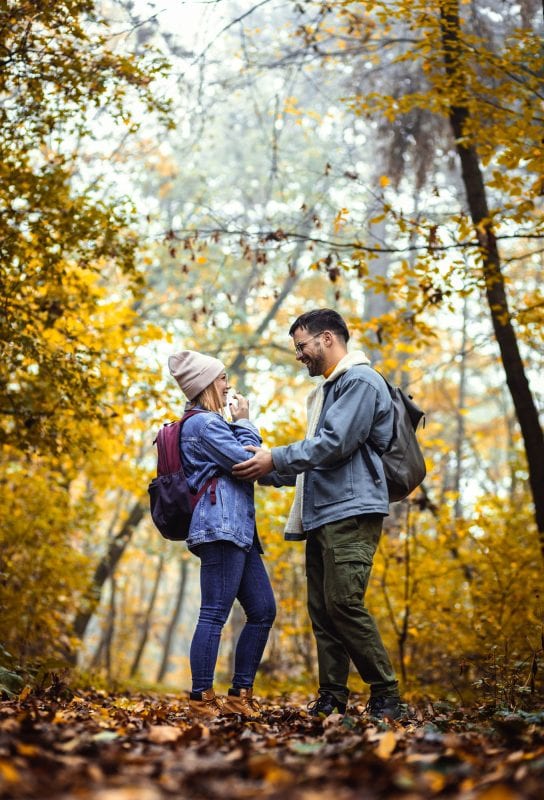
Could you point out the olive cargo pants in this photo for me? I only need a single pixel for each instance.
(338, 564)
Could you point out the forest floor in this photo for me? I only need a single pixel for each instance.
(91, 745)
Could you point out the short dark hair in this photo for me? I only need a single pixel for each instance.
(321, 319)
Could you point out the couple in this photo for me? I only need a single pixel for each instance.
(338, 509)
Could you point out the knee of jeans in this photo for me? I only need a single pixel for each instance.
(213, 615)
(270, 615)
(265, 615)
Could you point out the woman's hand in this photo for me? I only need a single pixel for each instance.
(240, 409)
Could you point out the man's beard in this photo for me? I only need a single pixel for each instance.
(315, 365)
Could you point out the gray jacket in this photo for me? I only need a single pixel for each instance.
(337, 483)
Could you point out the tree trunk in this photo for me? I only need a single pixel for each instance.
(167, 648)
(460, 432)
(110, 633)
(147, 620)
(460, 440)
(105, 569)
(473, 180)
(104, 647)
(97, 655)
(377, 304)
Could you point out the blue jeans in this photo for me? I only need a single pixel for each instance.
(227, 572)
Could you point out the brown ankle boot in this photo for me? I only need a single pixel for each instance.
(241, 701)
(207, 706)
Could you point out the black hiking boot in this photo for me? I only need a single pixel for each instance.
(384, 707)
(325, 704)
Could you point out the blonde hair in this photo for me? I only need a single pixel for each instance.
(210, 399)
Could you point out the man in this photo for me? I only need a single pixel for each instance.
(338, 508)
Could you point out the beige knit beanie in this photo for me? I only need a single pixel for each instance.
(194, 371)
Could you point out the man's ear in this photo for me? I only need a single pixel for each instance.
(328, 338)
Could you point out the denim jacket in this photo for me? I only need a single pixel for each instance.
(211, 446)
(337, 484)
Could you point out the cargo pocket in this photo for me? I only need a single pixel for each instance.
(351, 571)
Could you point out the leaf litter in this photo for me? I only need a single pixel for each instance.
(92, 745)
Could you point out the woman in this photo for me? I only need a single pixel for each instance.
(222, 534)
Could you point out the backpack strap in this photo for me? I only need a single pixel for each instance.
(371, 467)
(211, 483)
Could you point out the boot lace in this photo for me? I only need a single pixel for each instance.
(320, 703)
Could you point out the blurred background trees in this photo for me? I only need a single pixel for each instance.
(199, 180)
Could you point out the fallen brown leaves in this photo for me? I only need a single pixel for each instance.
(98, 746)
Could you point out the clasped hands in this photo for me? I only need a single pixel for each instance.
(256, 467)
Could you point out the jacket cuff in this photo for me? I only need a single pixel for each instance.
(278, 458)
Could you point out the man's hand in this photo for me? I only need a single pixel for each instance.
(254, 468)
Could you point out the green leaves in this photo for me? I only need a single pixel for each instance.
(10, 682)
(69, 371)
(58, 241)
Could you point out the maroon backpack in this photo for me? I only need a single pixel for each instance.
(171, 500)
